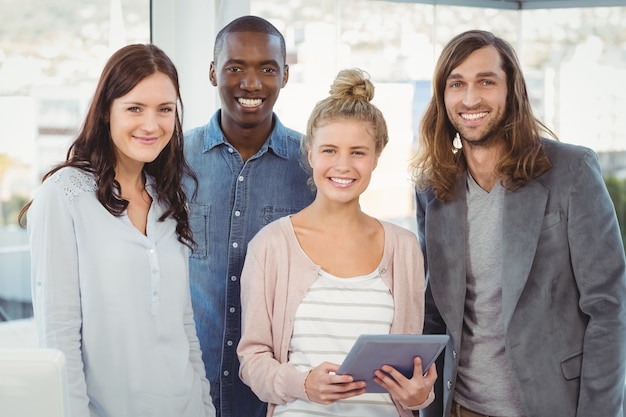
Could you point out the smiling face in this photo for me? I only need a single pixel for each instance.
(142, 121)
(342, 156)
(249, 72)
(475, 96)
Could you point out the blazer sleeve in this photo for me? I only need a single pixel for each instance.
(597, 256)
(433, 322)
(260, 368)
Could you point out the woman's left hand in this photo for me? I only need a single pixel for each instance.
(409, 392)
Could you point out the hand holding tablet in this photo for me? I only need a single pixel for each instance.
(371, 352)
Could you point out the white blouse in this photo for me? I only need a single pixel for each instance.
(116, 302)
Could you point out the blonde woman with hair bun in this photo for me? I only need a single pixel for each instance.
(314, 281)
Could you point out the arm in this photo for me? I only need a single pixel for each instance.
(433, 322)
(195, 354)
(266, 324)
(597, 256)
(260, 365)
(56, 285)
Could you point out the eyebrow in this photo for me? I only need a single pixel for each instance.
(138, 103)
(485, 74)
(329, 145)
(243, 62)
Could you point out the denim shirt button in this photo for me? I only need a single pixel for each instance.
(240, 178)
(233, 278)
(235, 245)
(229, 343)
(232, 309)
(226, 373)
(231, 150)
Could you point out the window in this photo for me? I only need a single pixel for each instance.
(573, 60)
(51, 54)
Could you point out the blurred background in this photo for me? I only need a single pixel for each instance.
(52, 52)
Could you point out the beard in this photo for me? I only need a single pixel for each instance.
(494, 133)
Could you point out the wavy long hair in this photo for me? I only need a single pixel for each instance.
(93, 150)
(436, 166)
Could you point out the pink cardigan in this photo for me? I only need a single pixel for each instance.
(276, 275)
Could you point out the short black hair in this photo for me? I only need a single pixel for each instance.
(248, 24)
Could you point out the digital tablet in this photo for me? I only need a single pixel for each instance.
(371, 351)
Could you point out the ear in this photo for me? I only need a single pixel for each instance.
(285, 75)
(212, 76)
(309, 157)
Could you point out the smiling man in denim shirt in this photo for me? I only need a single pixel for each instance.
(249, 174)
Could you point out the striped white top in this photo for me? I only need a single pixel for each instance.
(333, 313)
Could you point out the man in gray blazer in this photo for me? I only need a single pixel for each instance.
(525, 264)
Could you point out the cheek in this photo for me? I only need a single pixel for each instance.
(448, 100)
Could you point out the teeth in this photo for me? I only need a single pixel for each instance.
(250, 102)
(473, 116)
(341, 180)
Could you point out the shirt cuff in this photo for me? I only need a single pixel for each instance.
(426, 403)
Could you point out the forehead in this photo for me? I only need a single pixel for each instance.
(344, 130)
(480, 62)
(250, 46)
(156, 87)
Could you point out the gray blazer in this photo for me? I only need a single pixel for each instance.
(563, 289)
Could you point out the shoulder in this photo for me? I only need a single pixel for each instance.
(198, 137)
(561, 153)
(195, 133)
(399, 234)
(291, 137)
(567, 159)
(272, 235)
(69, 181)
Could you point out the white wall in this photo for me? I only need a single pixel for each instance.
(185, 30)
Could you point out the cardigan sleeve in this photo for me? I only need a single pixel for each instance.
(271, 380)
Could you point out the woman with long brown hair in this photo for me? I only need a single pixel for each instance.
(110, 239)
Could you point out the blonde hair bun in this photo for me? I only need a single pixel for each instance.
(352, 83)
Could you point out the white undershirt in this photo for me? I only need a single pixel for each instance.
(333, 313)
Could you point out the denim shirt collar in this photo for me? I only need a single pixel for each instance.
(214, 136)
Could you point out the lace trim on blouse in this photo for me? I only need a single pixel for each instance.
(74, 182)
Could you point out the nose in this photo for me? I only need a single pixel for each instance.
(150, 122)
(342, 161)
(471, 97)
(250, 81)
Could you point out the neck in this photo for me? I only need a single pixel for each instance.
(482, 163)
(247, 140)
(335, 217)
(131, 181)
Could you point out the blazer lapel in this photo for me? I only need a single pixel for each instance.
(523, 216)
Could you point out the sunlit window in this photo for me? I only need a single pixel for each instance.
(51, 54)
(573, 60)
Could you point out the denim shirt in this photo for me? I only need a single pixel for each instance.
(234, 200)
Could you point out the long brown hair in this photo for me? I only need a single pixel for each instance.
(93, 151)
(436, 166)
